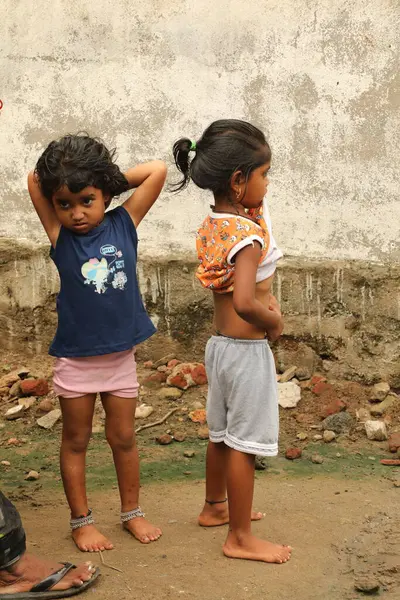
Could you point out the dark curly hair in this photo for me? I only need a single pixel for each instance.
(78, 161)
(226, 146)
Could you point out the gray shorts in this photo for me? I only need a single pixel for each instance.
(242, 403)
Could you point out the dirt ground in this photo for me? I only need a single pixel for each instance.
(338, 528)
(341, 517)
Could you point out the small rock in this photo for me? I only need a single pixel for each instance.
(179, 436)
(379, 391)
(317, 437)
(162, 369)
(329, 436)
(164, 440)
(302, 374)
(187, 375)
(143, 411)
(260, 463)
(32, 476)
(15, 412)
(173, 363)
(339, 423)
(293, 453)
(22, 372)
(163, 361)
(34, 387)
(288, 374)
(48, 421)
(155, 380)
(302, 436)
(198, 416)
(338, 455)
(46, 405)
(6, 463)
(333, 407)
(289, 394)
(13, 442)
(189, 453)
(9, 379)
(363, 415)
(376, 430)
(148, 364)
(317, 459)
(187, 473)
(394, 442)
(322, 387)
(367, 584)
(203, 433)
(15, 389)
(27, 402)
(379, 409)
(169, 393)
(396, 483)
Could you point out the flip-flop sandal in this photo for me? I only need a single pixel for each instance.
(43, 591)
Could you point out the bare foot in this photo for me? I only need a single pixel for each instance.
(29, 571)
(214, 515)
(249, 547)
(89, 539)
(142, 530)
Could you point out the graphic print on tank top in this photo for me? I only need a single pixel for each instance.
(102, 273)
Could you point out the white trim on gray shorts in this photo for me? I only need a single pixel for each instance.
(242, 403)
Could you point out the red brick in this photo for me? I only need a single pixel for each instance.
(322, 387)
(34, 387)
(394, 442)
(333, 407)
(293, 453)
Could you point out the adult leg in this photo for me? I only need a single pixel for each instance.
(120, 433)
(77, 428)
(19, 571)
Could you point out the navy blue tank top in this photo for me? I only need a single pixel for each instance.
(100, 309)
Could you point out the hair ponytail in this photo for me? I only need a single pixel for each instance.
(181, 152)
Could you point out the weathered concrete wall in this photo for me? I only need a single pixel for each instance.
(346, 315)
(320, 77)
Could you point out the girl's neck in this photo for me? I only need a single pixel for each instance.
(224, 205)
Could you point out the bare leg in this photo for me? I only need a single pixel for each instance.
(240, 542)
(215, 512)
(120, 419)
(77, 428)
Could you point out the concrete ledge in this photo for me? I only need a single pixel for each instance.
(345, 314)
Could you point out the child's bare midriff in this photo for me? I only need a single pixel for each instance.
(228, 322)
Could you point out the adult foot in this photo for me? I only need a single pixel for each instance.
(214, 515)
(142, 530)
(30, 570)
(89, 539)
(249, 547)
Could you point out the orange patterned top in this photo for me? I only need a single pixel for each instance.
(220, 238)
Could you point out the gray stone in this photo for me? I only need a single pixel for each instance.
(368, 584)
(379, 391)
(50, 419)
(15, 389)
(329, 436)
(379, 409)
(317, 437)
(15, 412)
(341, 422)
(376, 430)
(27, 402)
(260, 463)
(143, 411)
(170, 393)
(289, 394)
(288, 374)
(317, 459)
(163, 361)
(32, 476)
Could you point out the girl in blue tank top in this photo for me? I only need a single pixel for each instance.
(101, 317)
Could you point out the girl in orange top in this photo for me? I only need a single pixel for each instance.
(238, 256)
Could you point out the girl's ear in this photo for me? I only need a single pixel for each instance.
(236, 183)
(107, 201)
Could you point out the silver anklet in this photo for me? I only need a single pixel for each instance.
(132, 514)
(81, 521)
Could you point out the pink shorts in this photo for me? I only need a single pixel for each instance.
(113, 373)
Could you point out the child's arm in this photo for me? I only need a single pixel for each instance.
(245, 302)
(44, 209)
(149, 179)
